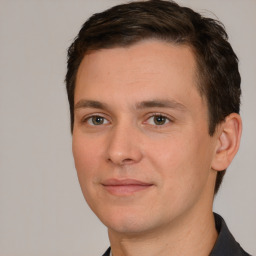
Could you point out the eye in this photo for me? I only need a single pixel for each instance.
(96, 120)
(158, 120)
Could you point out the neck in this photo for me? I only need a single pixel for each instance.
(187, 238)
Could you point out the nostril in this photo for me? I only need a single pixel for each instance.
(127, 161)
(121, 162)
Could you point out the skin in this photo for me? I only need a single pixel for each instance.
(145, 160)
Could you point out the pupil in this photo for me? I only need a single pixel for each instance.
(97, 120)
(159, 120)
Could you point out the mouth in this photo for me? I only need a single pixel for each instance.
(125, 187)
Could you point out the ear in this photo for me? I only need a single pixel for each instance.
(228, 141)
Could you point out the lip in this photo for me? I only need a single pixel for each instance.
(125, 187)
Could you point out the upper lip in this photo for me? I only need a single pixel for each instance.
(125, 182)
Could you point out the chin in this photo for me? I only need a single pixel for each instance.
(129, 227)
(130, 222)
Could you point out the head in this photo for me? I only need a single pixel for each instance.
(218, 78)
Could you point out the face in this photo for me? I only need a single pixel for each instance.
(140, 141)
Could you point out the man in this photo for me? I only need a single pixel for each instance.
(154, 93)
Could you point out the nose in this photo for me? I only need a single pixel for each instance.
(124, 147)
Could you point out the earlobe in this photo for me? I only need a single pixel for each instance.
(228, 141)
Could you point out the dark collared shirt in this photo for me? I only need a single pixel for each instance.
(225, 245)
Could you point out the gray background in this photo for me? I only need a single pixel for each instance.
(42, 210)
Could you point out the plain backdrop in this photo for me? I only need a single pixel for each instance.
(42, 210)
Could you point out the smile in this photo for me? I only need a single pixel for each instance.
(124, 187)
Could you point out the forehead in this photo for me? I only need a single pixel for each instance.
(150, 65)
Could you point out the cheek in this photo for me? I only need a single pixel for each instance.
(86, 156)
(181, 161)
(168, 155)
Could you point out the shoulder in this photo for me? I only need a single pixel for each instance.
(107, 252)
(226, 243)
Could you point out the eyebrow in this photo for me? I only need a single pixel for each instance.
(90, 104)
(161, 104)
(141, 105)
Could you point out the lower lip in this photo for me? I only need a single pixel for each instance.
(125, 190)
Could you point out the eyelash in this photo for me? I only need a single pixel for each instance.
(159, 115)
(88, 118)
(167, 119)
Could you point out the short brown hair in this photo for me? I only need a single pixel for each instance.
(125, 24)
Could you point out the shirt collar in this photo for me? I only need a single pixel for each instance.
(225, 243)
